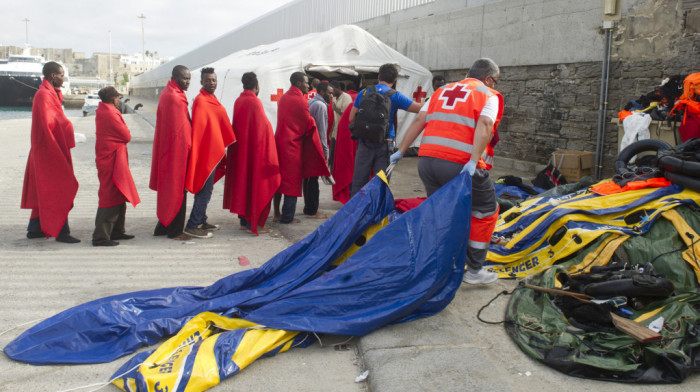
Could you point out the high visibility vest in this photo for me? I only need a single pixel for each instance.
(310, 95)
(453, 112)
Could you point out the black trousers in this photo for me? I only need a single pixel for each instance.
(34, 227)
(311, 195)
(109, 222)
(370, 158)
(175, 227)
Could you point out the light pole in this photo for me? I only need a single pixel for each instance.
(143, 39)
(110, 57)
(26, 30)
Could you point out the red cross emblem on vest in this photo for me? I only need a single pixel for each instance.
(452, 95)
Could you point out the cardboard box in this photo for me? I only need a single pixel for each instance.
(573, 164)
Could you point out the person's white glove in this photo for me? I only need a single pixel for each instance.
(469, 167)
(395, 157)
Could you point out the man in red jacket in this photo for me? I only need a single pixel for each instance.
(252, 167)
(112, 161)
(298, 147)
(50, 185)
(172, 143)
(211, 134)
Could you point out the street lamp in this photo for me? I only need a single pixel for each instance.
(143, 40)
(26, 30)
(110, 57)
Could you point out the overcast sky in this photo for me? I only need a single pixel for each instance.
(172, 27)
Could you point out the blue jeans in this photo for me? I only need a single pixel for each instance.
(289, 207)
(198, 215)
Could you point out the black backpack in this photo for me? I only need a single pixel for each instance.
(373, 116)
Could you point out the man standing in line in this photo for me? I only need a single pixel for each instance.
(252, 167)
(172, 143)
(112, 161)
(340, 103)
(374, 157)
(50, 185)
(318, 108)
(211, 135)
(298, 147)
(459, 121)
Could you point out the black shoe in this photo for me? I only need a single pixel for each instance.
(67, 238)
(122, 237)
(106, 243)
(160, 230)
(35, 234)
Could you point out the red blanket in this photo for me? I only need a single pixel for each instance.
(112, 158)
(211, 134)
(403, 205)
(50, 185)
(298, 144)
(171, 150)
(252, 168)
(344, 159)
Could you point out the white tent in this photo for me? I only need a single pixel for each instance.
(343, 50)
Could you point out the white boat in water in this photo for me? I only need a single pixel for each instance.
(20, 78)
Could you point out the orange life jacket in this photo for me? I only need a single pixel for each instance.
(453, 112)
(623, 114)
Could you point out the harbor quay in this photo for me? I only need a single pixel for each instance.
(450, 351)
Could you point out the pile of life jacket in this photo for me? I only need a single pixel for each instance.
(658, 102)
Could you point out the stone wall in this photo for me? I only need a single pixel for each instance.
(547, 107)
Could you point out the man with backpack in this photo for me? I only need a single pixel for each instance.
(372, 123)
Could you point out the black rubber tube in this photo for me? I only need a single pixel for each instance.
(677, 165)
(684, 181)
(635, 148)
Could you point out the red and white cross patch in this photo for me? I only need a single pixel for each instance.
(452, 95)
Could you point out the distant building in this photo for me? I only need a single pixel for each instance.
(94, 71)
(138, 64)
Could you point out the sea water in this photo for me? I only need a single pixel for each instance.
(15, 112)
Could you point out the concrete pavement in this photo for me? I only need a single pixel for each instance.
(451, 351)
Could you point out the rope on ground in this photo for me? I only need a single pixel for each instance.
(17, 326)
(104, 384)
(478, 314)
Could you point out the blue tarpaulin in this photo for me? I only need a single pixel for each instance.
(410, 268)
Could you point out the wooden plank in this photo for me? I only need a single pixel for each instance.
(638, 331)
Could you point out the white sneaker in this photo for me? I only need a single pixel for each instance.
(482, 276)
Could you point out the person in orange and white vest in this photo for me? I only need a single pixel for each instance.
(460, 120)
